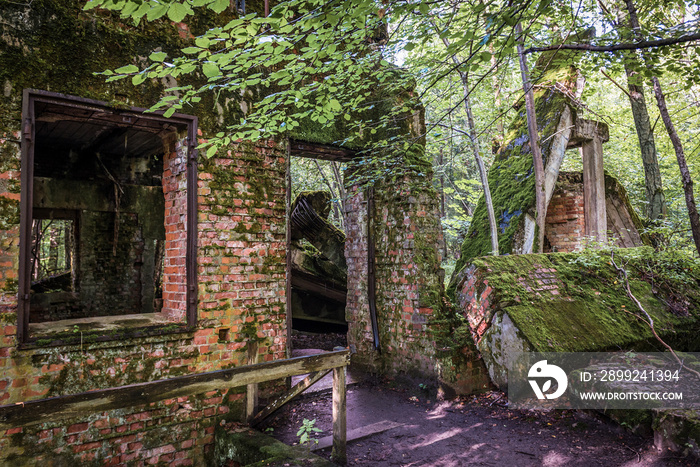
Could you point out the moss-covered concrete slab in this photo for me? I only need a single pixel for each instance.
(567, 302)
(247, 447)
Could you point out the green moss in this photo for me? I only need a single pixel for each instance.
(592, 310)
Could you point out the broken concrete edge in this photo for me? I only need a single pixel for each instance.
(568, 302)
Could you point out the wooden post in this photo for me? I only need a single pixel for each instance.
(339, 417)
(251, 399)
(594, 189)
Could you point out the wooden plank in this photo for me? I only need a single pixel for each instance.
(359, 433)
(77, 405)
(297, 389)
(251, 392)
(339, 454)
(320, 151)
(311, 283)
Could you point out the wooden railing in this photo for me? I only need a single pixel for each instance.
(101, 400)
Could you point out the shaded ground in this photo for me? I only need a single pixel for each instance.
(469, 431)
(311, 340)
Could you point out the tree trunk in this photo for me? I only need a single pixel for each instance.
(680, 156)
(500, 134)
(482, 167)
(656, 208)
(538, 165)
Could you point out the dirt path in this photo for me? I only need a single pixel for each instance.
(470, 431)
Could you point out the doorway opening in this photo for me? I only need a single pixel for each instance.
(317, 267)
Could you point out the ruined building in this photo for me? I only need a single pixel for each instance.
(166, 263)
(571, 302)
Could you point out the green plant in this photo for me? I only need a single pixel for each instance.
(305, 432)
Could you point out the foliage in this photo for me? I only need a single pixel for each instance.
(306, 431)
(317, 65)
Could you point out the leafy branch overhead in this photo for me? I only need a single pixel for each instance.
(308, 60)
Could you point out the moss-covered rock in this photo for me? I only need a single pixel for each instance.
(568, 302)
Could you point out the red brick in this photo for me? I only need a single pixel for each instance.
(78, 427)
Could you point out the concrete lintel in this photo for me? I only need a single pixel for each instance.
(587, 130)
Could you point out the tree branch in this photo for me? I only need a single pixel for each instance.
(649, 321)
(612, 48)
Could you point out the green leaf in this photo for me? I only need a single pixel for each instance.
(158, 56)
(127, 69)
(485, 56)
(191, 50)
(334, 105)
(157, 12)
(219, 5)
(202, 42)
(409, 46)
(211, 151)
(210, 69)
(138, 79)
(169, 113)
(93, 4)
(178, 11)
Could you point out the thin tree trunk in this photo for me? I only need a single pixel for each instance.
(680, 156)
(656, 208)
(342, 194)
(538, 165)
(500, 135)
(334, 195)
(482, 167)
(477, 156)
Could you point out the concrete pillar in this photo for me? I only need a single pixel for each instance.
(594, 189)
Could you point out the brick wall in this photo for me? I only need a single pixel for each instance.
(475, 296)
(241, 265)
(565, 223)
(408, 280)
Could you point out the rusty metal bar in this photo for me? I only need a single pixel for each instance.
(288, 266)
(371, 278)
(26, 203)
(191, 253)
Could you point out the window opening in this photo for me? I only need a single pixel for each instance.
(107, 213)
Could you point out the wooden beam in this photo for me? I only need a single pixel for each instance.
(77, 405)
(318, 285)
(297, 389)
(251, 392)
(359, 433)
(339, 454)
(320, 151)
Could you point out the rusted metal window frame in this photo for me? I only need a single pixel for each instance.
(32, 96)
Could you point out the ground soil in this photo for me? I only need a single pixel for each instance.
(473, 430)
(311, 340)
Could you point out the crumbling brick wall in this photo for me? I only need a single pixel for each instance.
(407, 236)
(240, 262)
(565, 225)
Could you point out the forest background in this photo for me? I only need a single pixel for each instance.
(469, 64)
